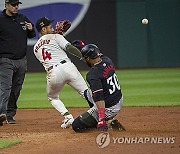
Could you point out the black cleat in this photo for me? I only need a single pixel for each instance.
(10, 120)
(2, 119)
(116, 125)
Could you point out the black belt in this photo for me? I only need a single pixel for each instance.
(51, 67)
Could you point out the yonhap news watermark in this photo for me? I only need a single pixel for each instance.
(104, 139)
(143, 140)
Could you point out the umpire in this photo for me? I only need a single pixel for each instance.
(15, 28)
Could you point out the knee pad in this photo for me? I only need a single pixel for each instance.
(78, 126)
(84, 122)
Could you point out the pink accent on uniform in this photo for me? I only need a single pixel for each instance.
(107, 70)
(82, 44)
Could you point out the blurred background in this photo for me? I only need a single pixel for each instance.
(115, 27)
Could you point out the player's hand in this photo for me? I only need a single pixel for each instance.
(102, 126)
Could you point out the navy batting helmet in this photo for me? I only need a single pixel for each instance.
(91, 51)
(78, 44)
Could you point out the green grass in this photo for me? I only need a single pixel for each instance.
(151, 87)
(8, 143)
(140, 87)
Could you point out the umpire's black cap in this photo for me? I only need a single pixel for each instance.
(42, 22)
(13, 2)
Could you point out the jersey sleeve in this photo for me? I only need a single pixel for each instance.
(94, 80)
(62, 42)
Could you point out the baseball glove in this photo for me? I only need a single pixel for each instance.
(62, 26)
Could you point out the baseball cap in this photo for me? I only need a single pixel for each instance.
(42, 22)
(13, 1)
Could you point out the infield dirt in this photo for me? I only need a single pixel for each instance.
(40, 132)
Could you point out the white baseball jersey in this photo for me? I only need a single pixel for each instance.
(49, 50)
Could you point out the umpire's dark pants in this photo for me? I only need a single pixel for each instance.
(12, 74)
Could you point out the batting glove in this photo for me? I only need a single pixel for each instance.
(102, 126)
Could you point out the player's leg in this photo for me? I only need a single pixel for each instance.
(79, 84)
(112, 111)
(59, 106)
(110, 114)
(89, 119)
(53, 97)
(84, 122)
(17, 82)
(55, 83)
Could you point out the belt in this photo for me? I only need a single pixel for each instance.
(51, 67)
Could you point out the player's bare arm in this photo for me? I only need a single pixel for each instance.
(100, 104)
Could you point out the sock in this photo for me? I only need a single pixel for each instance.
(58, 105)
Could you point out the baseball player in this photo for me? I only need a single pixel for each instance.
(50, 50)
(106, 93)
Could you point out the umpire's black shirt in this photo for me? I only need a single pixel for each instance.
(13, 35)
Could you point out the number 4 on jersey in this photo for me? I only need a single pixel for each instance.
(45, 54)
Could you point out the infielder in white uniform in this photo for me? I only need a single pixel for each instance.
(50, 51)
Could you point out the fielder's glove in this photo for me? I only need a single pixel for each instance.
(62, 26)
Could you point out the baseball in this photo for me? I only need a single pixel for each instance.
(145, 21)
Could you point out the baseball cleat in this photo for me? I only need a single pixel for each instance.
(67, 122)
(10, 120)
(2, 119)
